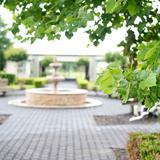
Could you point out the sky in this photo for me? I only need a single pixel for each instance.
(76, 45)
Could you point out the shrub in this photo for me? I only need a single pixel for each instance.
(92, 87)
(28, 81)
(10, 77)
(85, 84)
(82, 83)
(144, 146)
(38, 83)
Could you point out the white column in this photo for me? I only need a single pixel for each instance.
(28, 69)
(12, 67)
(92, 69)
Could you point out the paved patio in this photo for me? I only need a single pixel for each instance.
(58, 134)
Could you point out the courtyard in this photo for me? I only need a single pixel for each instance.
(80, 80)
(64, 134)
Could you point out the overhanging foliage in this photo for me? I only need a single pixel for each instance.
(51, 18)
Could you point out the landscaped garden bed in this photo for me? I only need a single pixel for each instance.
(122, 119)
(144, 146)
(28, 83)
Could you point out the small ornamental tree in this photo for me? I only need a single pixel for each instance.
(44, 63)
(85, 63)
(16, 54)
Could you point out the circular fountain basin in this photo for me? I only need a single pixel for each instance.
(61, 99)
(49, 97)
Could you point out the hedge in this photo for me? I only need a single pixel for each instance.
(82, 83)
(85, 84)
(28, 81)
(144, 146)
(10, 77)
(36, 82)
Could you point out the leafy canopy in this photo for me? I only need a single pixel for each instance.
(83, 61)
(46, 61)
(16, 54)
(49, 18)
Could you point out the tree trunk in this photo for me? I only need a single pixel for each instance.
(86, 72)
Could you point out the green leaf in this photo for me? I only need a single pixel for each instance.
(149, 82)
(108, 79)
(29, 21)
(114, 5)
(40, 30)
(69, 19)
(126, 97)
(148, 51)
(148, 102)
(133, 8)
(152, 50)
(69, 35)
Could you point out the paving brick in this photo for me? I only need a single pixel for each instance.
(46, 134)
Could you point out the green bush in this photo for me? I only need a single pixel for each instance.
(85, 84)
(31, 81)
(82, 83)
(28, 81)
(144, 146)
(38, 83)
(92, 87)
(10, 77)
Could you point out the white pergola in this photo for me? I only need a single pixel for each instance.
(35, 59)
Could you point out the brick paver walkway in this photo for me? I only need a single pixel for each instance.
(70, 134)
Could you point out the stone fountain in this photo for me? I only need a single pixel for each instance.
(56, 77)
(54, 97)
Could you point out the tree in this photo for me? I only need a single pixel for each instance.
(44, 63)
(141, 17)
(142, 83)
(16, 54)
(4, 43)
(52, 18)
(85, 63)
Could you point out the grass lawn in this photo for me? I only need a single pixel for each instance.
(17, 87)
